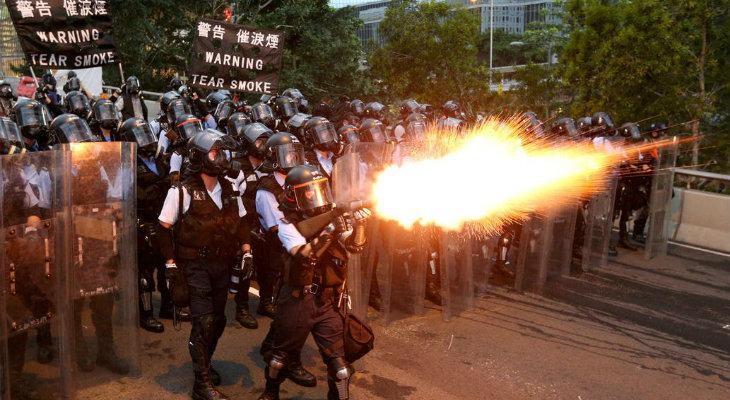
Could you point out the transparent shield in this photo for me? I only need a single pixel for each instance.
(599, 222)
(360, 273)
(660, 202)
(560, 248)
(531, 267)
(103, 276)
(33, 304)
(401, 271)
(484, 254)
(456, 265)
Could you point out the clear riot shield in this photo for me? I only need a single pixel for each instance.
(456, 264)
(33, 264)
(484, 254)
(560, 247)
(400, 267)
(532, 253)
(104, 270)
(660, 201)
(599, 223)
(352, 178)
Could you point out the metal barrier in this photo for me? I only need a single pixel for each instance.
(701, 219)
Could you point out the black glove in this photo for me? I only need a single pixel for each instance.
(177, 285)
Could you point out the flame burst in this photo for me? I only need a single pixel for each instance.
(491, 176)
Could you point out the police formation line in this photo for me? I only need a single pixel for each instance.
(224, 191)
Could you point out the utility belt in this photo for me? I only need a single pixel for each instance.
(317, 289)
(204, 252)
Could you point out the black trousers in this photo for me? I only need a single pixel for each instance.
(297, 317)
(208, 280)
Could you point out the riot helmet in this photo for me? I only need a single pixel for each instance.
(284, 151)
(106, 114)
(254, 139)
(657, 130)
(77, 103)
(296, 124)
(213, 100)
(630, 131)
(6, 91)
(285, 107)
(72, 84)
(408, 107)
(451, 109)
(132, 85)
(11, 141)
(604, 124)
(175, 83)
(565, 127)
(534, 125)
(450, 124)
(261, 112)
(375, 110)
(32, 118)
(226, 94)
(372, 130)
(349, 134)
(137, 130)
(306, 187)
(223, 111)
(71, 74)
(166, 99)
(584, 125)
(49, 80)
(236, 123)
(320, 133)
(299, 99)
(70, 128)
(183, 90)
(177, 108)
(187, 126)
(205, 153)
(357, 107)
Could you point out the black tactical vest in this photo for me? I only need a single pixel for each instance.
(329, 271)
(204, 225)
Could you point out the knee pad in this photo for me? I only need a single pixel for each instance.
(276, 365)
(340, 373)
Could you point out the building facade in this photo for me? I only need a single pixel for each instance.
(11, 55)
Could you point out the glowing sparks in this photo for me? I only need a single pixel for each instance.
(491, 176)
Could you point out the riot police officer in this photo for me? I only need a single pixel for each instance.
(7, 98)
(160, 124)
(262, 113)
(284, 107)
(131, 103)
(372, 130)
(47, 95)
(301, 102)
(211, 104)
(314, 285)
(209, 232)
(656, 131)
(376, 110)
(152, 187)
(323, 144)
(33, 120)
(105, 120)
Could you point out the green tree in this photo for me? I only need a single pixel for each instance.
(430, 53)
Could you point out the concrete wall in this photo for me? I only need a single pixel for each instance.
(701, 219)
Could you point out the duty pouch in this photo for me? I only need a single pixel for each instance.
(358, 336)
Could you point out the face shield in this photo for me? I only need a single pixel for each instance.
(223, 111)
(78, 104)
(6, 91)
(286, 108)
(377, 133)
(10, 139)
(32, 117)
(73, 84)
(262, 113)
(289, 156)
(357, 107)
(176, 109)
(313, 195)
(326, 135)
(133, 85)
(189, 128)
(76, 131)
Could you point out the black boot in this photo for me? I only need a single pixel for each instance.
(266, 308)
(271, 391)
(83, 358)
(244, 317)
(146, 320)
(166, 307)
(433, 293)
(296, 373)
(106, 355)
(203, 331)
(219, 327)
